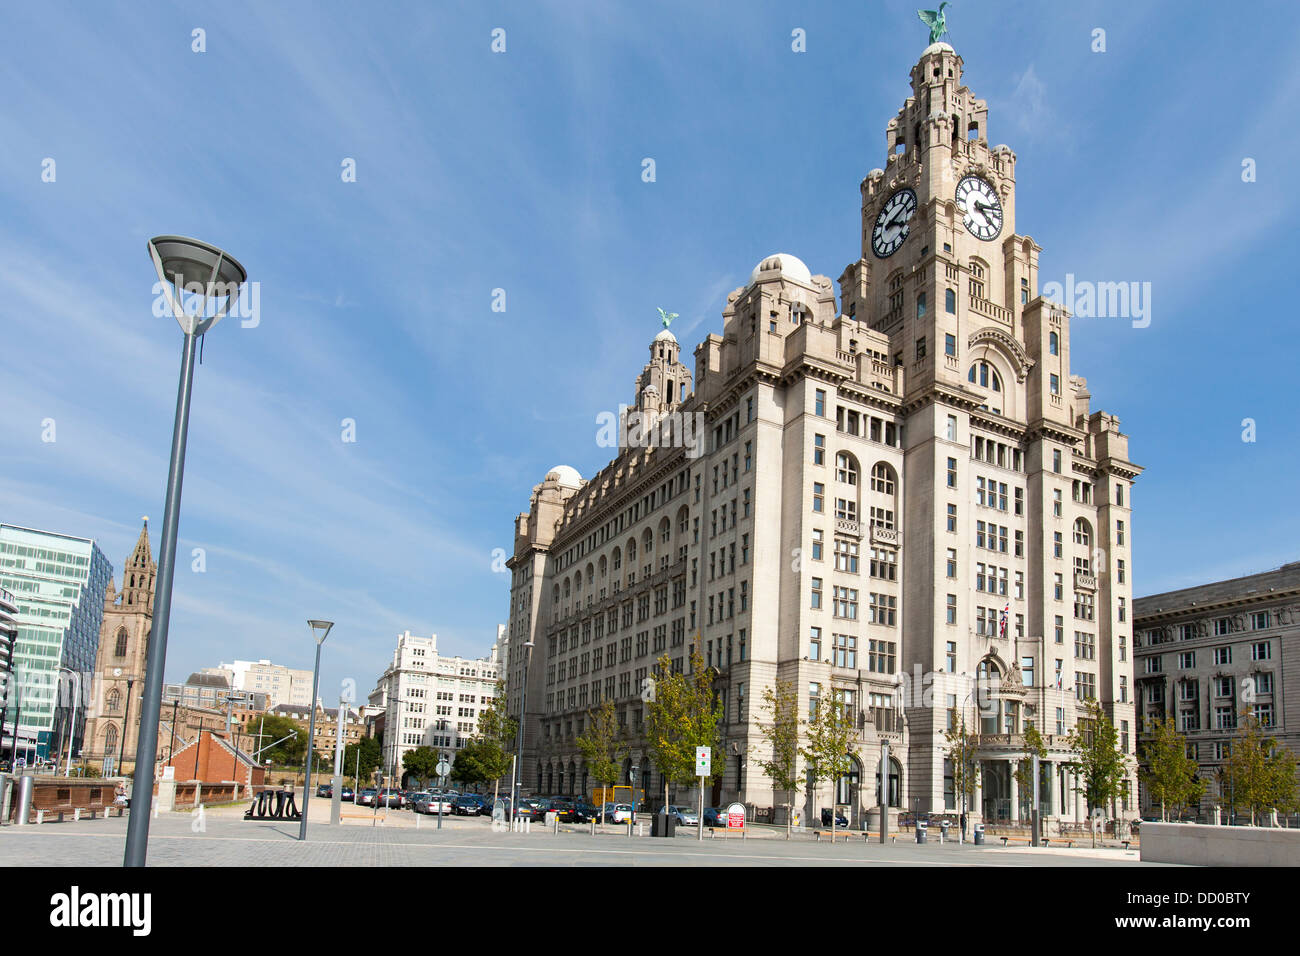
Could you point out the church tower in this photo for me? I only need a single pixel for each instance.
(114, 709)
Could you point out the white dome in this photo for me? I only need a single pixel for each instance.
(564, 475)
(939, 47)
(665, 336)
(791, 267)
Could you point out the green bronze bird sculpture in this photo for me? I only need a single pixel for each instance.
(934, 19)
(667, 317)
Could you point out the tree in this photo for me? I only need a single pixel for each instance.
(1170, 775)
(1259, 774)
(831, 742)
(422, 761)
(467, 767)
(269, 729)
(1024, 773)
(1099, 766)
(601, 744)
(683, 715)
(495, 740)
(961, 754)
(371, 757)
(781, 704)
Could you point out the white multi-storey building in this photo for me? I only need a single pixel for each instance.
(281, 685)
(429, 700)
(882, 483)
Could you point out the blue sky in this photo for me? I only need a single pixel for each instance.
(522, 171)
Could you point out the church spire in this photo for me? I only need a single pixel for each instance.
(139, 573)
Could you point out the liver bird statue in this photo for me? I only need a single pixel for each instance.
(667, 317)
(934, 19)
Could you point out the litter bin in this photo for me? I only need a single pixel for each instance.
(979, 834)
(943, 831)
(663, 825)
(921, 827)
(23, 800)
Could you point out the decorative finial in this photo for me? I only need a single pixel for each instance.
(667, 317)
(934, 19)
(144, 518)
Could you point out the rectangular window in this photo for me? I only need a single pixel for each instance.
(1056, 460)
(952, 517)
(949, 344)
(1119, 532)
(819, 497)
(819, 403)
(951, 617)
(1060, 629)
(1056, 384)
(1056, 544)
(952, 427)
(816, 592)
(815, 644)
(952, 563)
(950, 657)
(1259, 620)
(952, 472)
(1261, 651)
(819, 449)
(920, 348)
(1222, 655)
(817, 544)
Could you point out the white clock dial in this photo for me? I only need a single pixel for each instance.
(117, 672)
(981, 209)
(892, 223)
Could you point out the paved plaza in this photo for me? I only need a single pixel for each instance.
(225, 839)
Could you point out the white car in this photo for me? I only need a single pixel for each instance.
(686, 816)
(617, 813)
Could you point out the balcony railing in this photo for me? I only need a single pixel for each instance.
(1086, 582)
(848, 526)
(881, 535)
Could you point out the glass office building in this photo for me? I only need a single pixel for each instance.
(58, 582)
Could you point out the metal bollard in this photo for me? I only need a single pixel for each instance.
(25, 788)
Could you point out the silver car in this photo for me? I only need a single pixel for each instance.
(685, 816)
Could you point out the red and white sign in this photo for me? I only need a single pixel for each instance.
(736, 816)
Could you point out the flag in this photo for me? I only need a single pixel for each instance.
(1002, 628)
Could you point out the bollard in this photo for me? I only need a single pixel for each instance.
(593, 826)
(555, 824)
(24, 799)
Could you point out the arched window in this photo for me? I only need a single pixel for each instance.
(665, 530)
(950, 301)
(985, 375)
(1053, 343)
(110, 739)
(114, 700)
(846, 469)
(120, 649)
(1082, 533)
(604, 567)
(882, 479)
(618, 559)
(647, 542)
(631, 550)
(567, 588)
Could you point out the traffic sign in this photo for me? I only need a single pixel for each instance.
(443, 768)
(703, 762)
(736, 816)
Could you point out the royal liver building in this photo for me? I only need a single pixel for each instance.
(880, 498)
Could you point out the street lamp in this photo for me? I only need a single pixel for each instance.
(72, 735)
(320, 630)
(183, 265)
(519, 733)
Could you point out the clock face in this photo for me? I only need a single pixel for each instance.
(981, 209)
(117, 672)
(891, 225)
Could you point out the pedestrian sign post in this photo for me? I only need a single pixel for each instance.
(703, 769)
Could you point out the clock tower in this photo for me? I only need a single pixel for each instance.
(118, 680)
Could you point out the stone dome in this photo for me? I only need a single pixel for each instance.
(791, 267)
(666, 336)
(939, 47)
(566, 476)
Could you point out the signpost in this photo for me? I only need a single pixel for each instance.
(442, 769)
(736, 816)
(703, 769)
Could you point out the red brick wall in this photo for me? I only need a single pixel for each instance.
(214, 764)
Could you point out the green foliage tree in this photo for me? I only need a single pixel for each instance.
(684, 714)
(1169, 774)
(1099, 765)
(495, 740)
(831, 738)
(422, 761)
(467, 767)
(1259, 774)
(269, 728)
(1024, 772)
(371, 757)
(961, 752)
(601, 744)
(781, 735)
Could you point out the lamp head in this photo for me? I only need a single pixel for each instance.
(189, 265)
(320, 630)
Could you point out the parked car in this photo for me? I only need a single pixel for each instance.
(715, 817)
(325, 790)
(617, 812)
(391, 799)
(470, 805)
(685, 816)
(418, 801)
(366, 798)
(347, 793)
(841, 821)
(439, 803)
(568, 811)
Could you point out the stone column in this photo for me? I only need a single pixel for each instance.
(1014, 814)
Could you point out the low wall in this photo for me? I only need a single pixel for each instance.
(1197, 845)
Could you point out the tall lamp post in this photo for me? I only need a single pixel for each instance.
(72, 735)
(183, 265)
(519, 733)
(321, 630)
